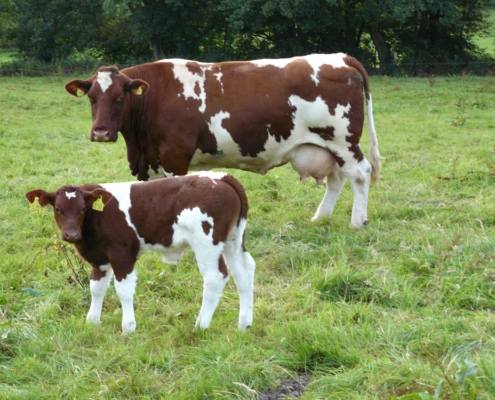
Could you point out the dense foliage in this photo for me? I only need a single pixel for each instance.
(379, 32)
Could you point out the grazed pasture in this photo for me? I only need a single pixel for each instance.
(385, 311)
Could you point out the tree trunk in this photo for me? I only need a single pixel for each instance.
(157, 52)
(381, 46)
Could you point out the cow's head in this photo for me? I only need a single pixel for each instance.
(109, 93)
(70, 206)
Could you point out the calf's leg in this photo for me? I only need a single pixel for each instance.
(242, 266)
(211, 268)
(100, 280)
(125, 287)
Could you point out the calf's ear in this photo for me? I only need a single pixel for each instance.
(137, 87)
(43, 197)
(78, 87)
(94, 195)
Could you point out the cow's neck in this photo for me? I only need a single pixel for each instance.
(136, 139)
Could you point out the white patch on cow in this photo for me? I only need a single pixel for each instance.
(191, 82)
(219, 75)
(189, 229)
(225, 145)
(315, 60)
(122, 192)
(104, 80)
(70, 195)
(316, 115)
(213, 175)
(275, 62)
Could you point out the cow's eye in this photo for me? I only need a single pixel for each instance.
(83, 210)
(119, 99)
(57, 210)
(92, 100)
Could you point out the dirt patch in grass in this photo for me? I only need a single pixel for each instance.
(289, 388)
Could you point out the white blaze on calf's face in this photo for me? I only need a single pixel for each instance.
(104, 80)
(70, 195)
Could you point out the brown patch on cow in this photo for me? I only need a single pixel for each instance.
(252, 119)
(197, 89)
(97, 274)
(327, 133)
(222, 267)
(206, 227)
(339, 159)
(355, 149)
(194, 67)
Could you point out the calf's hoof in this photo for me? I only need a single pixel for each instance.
(359, 225)
(128, 327)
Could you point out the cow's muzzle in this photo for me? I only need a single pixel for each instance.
(101, 135)
(71, 236)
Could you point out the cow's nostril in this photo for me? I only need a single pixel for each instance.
(100, 135)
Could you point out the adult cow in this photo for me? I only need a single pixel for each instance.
(179, 115)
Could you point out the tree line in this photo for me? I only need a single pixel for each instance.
(380, 33)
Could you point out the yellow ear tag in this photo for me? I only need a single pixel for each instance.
(79, 93)
(98, 205)
(138, 91)
(35, 205)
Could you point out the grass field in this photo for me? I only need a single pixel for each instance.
(397, 308)
(488, 43)
(6, 55)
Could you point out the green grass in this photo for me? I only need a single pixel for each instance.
(487, 43)
(384, 311)
(6, 55)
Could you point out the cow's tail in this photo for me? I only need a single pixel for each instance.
(374, 154)
(242, 218)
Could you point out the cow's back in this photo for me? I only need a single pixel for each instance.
(157, 208)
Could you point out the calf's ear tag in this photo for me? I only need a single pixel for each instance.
(79, 93)
(138, 91)
(35, 205)
(98, 204)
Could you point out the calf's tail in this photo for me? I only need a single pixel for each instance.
(242, 218)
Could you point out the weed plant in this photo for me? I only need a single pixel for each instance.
(398, 308)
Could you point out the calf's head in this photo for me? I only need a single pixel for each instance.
(109, 92)
(70, 206)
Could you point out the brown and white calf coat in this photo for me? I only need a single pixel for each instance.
(179, 115)
(206, 211)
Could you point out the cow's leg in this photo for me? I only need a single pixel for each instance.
(242, 266)
(98, 285)
(215, 276)
(359, 175)
(125, 285)
(335, 182)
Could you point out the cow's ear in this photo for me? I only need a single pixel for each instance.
(78, 87)
(95, 196)
(137, 87)
(43, 197)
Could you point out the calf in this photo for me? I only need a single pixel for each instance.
(207, 211)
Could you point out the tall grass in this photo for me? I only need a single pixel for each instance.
(385, 311)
